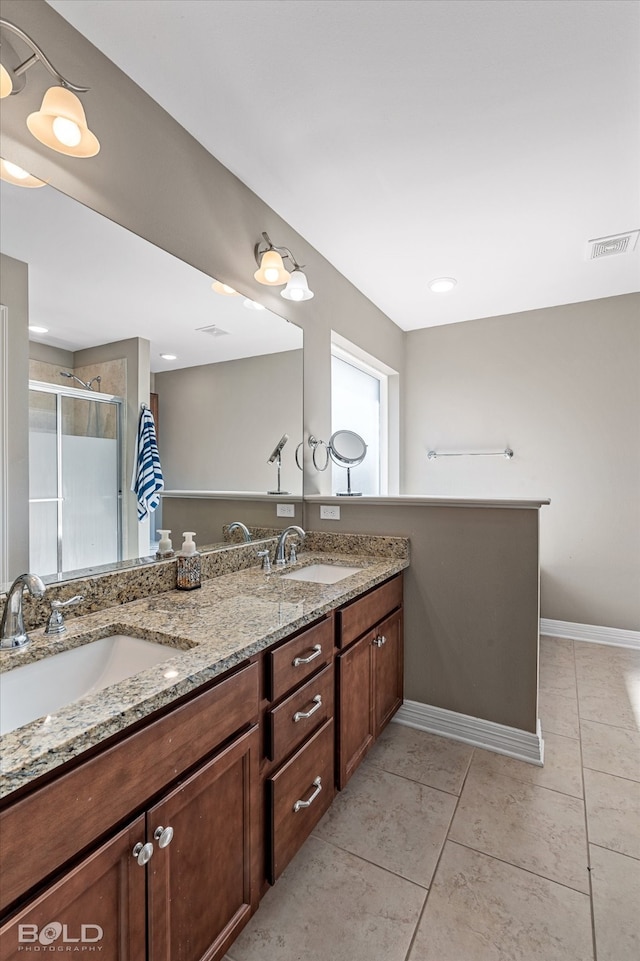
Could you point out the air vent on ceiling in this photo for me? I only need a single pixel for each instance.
(213, 330)
(616, 244)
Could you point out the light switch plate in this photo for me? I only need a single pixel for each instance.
(285, 510)
(329, 512)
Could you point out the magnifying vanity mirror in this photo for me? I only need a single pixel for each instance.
(346, 449)
(115, 307)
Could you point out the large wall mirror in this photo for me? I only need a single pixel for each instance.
(124, 318)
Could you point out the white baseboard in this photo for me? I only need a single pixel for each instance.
(614, 636)
(511, 741)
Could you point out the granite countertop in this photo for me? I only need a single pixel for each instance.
(211, 630)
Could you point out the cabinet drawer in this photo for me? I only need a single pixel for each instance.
(287, 724)
(299, 794)
(295, 660)
(91, 798)
(361, 615)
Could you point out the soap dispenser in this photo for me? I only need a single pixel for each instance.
(165, 547)
(189, 575)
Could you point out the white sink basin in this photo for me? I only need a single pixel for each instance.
(322, 573)
(43, 687)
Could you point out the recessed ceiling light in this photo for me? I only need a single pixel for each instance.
(251, 304)
(169, 356)
(35, 329)
(442, 285)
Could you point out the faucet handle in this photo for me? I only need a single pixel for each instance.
(56, 623)
(266, 561)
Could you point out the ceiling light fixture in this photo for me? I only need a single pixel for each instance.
(36, 329)
(13, 174)
(224, 289)
(60, 123)
(442, 285)
(169, 356)
(273, 273)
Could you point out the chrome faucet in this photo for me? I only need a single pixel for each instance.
(238, 525)
(280, 559)
(12, 632)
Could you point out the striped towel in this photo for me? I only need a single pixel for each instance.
(147, 480)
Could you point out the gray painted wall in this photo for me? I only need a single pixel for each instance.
(14, 294)
(239, 401)
(471, 603)
(562, 388)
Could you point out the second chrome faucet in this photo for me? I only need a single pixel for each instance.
(280, 558)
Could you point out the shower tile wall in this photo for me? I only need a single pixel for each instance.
(114, 381)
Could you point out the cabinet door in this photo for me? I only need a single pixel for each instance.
(388, 670)
(356, 722)
(203, 884)
(98, 906)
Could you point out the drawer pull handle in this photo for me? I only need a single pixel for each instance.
(303, 715)
(379, 640)
(143, 853)
(164, 836)
(305, 804)
(316, 652)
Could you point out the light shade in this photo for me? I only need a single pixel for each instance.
(13, 174)
(297, 288)
(223, 289)
(271, 271)
(6, 83)
(61, 124)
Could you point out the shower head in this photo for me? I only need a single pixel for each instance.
(85, 384)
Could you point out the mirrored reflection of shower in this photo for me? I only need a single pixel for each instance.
(93, 420)
(75, 476)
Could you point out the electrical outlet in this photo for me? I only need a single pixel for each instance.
(329, 512)
(285, 510)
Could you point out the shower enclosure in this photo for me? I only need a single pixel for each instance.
(75, 478)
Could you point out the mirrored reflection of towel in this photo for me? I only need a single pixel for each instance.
(147, 480)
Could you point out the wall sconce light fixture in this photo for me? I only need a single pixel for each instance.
(273, 272)
(223, 289)
(60, 123)
(13, 174)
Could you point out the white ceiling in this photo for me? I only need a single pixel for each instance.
(486, 140)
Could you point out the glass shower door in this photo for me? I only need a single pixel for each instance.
(89, 483)
(45, 554)
(74, 479)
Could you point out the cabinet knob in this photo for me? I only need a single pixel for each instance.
(316, 651)
(379, 640)
(164, 836)
(143, 853)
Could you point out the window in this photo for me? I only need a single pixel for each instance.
(359, 402)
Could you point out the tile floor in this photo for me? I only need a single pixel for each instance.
(437, 851)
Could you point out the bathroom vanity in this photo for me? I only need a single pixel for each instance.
(172, 803)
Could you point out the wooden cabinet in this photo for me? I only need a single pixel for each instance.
(98, 906)
(199, 886)
(300, 780)
(369, 672)
(199, 889)
(222, 788)
(299, 793)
